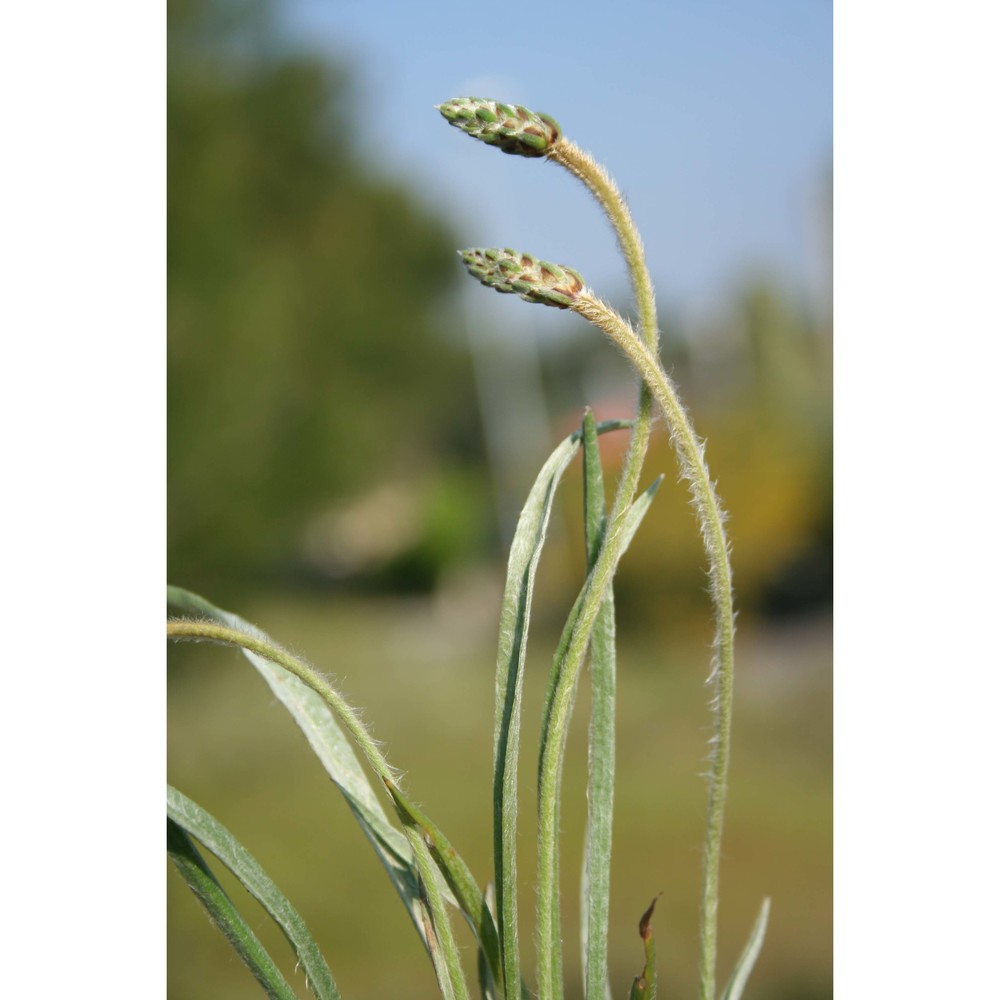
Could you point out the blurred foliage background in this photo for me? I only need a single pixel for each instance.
(306, 362)
(340, 472)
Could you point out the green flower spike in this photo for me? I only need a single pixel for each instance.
(533, 279)
(513, 129)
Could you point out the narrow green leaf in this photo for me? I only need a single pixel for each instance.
(213, 835)
(562, 688)
(594, 503)
(471, 900)
(514, 620)
(489, 983)
(337, 755)
(224, 914)
(632, 521)
(734, 989)
(596, 886)
(644, 985)
(443, 949)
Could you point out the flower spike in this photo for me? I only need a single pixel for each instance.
(512, 128)
(533, 279)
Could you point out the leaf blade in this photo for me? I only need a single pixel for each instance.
(560, 696)
(471, 900)
(337, 756)
(525, 553)
(745, 964)
(224, 914)
(596, 880)
(204, 827)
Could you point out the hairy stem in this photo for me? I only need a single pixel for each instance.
(443, 950)
(598, 181)
(552, 753)
(711, 520)
(184, 628)
(445, 954)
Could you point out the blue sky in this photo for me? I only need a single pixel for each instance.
(714, 116)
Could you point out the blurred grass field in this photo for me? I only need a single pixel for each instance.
(423, 673)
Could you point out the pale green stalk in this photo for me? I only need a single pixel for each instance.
(470, 897)
(445, 957)
(530, 134)
(711, 518)
(689, 449)
(598, 181)
(185, 628)
(552, 753)
(549, 284)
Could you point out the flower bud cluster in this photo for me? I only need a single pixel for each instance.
(533, 279)
(510, 127)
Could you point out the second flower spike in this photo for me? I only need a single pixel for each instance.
(533, 279)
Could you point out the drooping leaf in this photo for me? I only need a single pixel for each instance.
(331, 746)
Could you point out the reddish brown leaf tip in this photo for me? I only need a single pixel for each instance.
(645, 924)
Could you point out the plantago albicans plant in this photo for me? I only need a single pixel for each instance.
(424, 868)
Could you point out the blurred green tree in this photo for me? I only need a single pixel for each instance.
(303, 355)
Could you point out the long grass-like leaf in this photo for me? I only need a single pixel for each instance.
(633, 518)
(556, 713)
(515, 613)
(594, 503)
(212, 834)
(224, 914)
(456, 872)
(489, 985)
(596, 886)
(734, 989)
(444, 951)
(330, 745)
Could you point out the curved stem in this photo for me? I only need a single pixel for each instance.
(598, 181)
(444, 951)
(552, 752)
(711, 519)
(183, 628)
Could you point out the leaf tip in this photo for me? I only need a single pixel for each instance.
(646, 921)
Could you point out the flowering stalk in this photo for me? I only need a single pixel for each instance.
(555, 286)
(531, 134)
(690, 451)
(691, 454)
